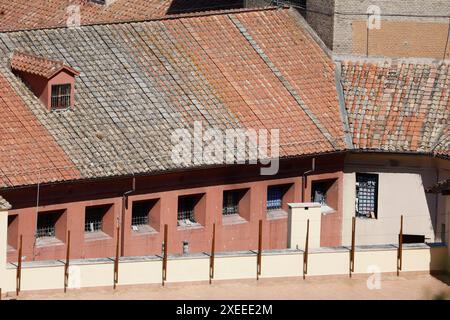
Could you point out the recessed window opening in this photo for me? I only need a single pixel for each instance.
(186, 207)
(60, 98)
(274, 198)
(366, 195)
(94, 218)
(46, 225)
(230, 202)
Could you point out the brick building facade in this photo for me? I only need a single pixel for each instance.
(408, 28)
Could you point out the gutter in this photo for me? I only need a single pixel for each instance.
(124, 208)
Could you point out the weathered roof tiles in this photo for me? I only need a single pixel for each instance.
(398, 106)
(141, 81)
(4, 205)
(30, 63)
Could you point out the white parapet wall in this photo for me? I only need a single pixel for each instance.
(49, 275)
(228, 266)
(298, 216)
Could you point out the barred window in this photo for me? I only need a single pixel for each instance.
(230, 202)
(94, 219)
(60, 96)
(274, 198)
(186, 207)
(140, 214)
(319, 192)
(366, 195)
(46, 225)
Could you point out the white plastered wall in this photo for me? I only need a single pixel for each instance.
(401, 191)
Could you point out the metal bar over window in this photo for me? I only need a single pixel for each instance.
(274, 198)
(230, 203)
(366, 195)
(186, 206)
(94, 219)
(140, 214)
(46, 226)
(60, 96)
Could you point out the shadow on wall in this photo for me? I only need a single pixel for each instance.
(187, 6)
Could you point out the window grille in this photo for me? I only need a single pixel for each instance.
(230, 203)
(186, 206)
(319, 191)
(366, 195)
(94, 219)
(274, 198)
(46, 225)
(140, 214)
(60, 96)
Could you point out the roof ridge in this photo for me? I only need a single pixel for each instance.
(22, 60)
(180, 16)
(378, 60)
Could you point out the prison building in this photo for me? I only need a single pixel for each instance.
(91, 121)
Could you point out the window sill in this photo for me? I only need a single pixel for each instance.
(191, 227)
(276, 214)
(366, 218)
(94, 236)
(144, 231)
(48, 242)
(233, 219)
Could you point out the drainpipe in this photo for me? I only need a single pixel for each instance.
(124, 207)
(313, 168)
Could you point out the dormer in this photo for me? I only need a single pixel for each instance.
(51, 81)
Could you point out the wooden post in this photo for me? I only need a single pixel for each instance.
(352, 250)
(116, 261)
(211, 257)
(305, 254)
(259, 256)
(19, 267)
(164, 264)
(66, 266)
(400, 247)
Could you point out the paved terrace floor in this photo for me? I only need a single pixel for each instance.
(407, 286)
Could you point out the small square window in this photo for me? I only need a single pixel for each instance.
(366, 195)
(46, 224)
(274, 198)
(94, 218)
(230, 202)
(186, 207)
(60, 96)
(144, 216)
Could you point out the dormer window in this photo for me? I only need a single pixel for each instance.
(51, 81)
(60, 96)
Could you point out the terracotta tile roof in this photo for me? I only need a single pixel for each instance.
(26, 146)
(30, 63)
(35, 14)
(401, 106)
(32, 14)
(141, 81)
(4, 205)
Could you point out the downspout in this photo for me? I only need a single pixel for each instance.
(304, 184)
(124, 208)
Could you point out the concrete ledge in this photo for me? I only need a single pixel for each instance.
(305, 205)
